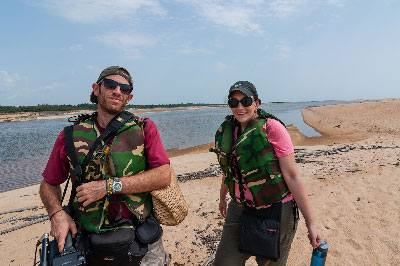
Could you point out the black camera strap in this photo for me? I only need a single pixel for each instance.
(112, 128)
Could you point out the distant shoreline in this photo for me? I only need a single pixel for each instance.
(47, 115)
(60, 114)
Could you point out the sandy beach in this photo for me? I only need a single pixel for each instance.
(351, 173)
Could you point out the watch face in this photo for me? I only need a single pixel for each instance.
(117, 186)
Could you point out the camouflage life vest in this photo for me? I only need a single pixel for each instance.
(256, 160)
(125, 157)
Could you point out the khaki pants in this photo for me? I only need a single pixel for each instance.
(156, 256)
(227, 252)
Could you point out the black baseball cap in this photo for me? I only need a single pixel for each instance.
(246, 87)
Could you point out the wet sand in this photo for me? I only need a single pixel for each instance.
(351, 173)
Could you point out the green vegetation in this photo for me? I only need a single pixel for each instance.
(46, 108)
(152, 106)
(87, 106)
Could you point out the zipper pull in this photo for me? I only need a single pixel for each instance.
(130, 256)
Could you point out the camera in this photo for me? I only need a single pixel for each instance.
(50, 256)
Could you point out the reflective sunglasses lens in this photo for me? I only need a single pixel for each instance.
(246, 101)
(125, 89)
(233, 103)
(110, 84)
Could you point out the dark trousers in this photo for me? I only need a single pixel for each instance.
(227, 252)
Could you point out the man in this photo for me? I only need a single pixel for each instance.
(111, 92)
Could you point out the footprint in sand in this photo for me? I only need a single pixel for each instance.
(354, 244)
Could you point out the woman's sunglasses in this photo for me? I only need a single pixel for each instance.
(246, 102)
(110, 84)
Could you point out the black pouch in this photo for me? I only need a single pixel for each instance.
(116, 247)
(149, 231)
(259, 232)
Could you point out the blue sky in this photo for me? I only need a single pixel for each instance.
(182, 51)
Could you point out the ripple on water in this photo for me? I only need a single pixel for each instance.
(21, 173)
(26, 146)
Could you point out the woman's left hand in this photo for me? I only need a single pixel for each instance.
(297, 187)
(313, 235)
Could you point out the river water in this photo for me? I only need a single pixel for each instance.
(25, 146)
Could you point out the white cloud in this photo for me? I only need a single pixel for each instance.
(237, 16)
(191, 50)
(9, 81)
(90, 11)
(128, 43)
(219, 66)
(92, 68)
(76, 47)
(250, 16)
(16, 87)
(285, 8)
(254, 2)
(339, 3)
(283, 51)
(50, 87)
(5, 79)
(313, 26)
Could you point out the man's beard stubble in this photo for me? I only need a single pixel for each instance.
(106, 106)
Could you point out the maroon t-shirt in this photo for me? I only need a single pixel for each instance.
(57, 168)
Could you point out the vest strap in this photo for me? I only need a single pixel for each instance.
(112, 127)
(71, 150)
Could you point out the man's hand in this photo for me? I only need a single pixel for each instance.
(91, 192)
(61, 223)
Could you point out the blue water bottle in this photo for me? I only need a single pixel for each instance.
(319, 254)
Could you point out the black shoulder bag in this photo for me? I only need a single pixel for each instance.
(259, 233)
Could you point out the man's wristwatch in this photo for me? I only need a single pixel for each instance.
(116, 186)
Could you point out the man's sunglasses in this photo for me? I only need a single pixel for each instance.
(246, 102)
(110, 84)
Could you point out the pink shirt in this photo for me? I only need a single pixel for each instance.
(279, 137)
(57, 168)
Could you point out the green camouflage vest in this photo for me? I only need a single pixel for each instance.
(125, 155)
(257, 161)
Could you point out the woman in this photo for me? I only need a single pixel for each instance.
(256, 155)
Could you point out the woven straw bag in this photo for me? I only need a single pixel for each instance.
(169, 204)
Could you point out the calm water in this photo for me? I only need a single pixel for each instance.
(26, 146)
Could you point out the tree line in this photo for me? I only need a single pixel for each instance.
(88, 106)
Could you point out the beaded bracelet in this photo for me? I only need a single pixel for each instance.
(51, 216)
(108, 186)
